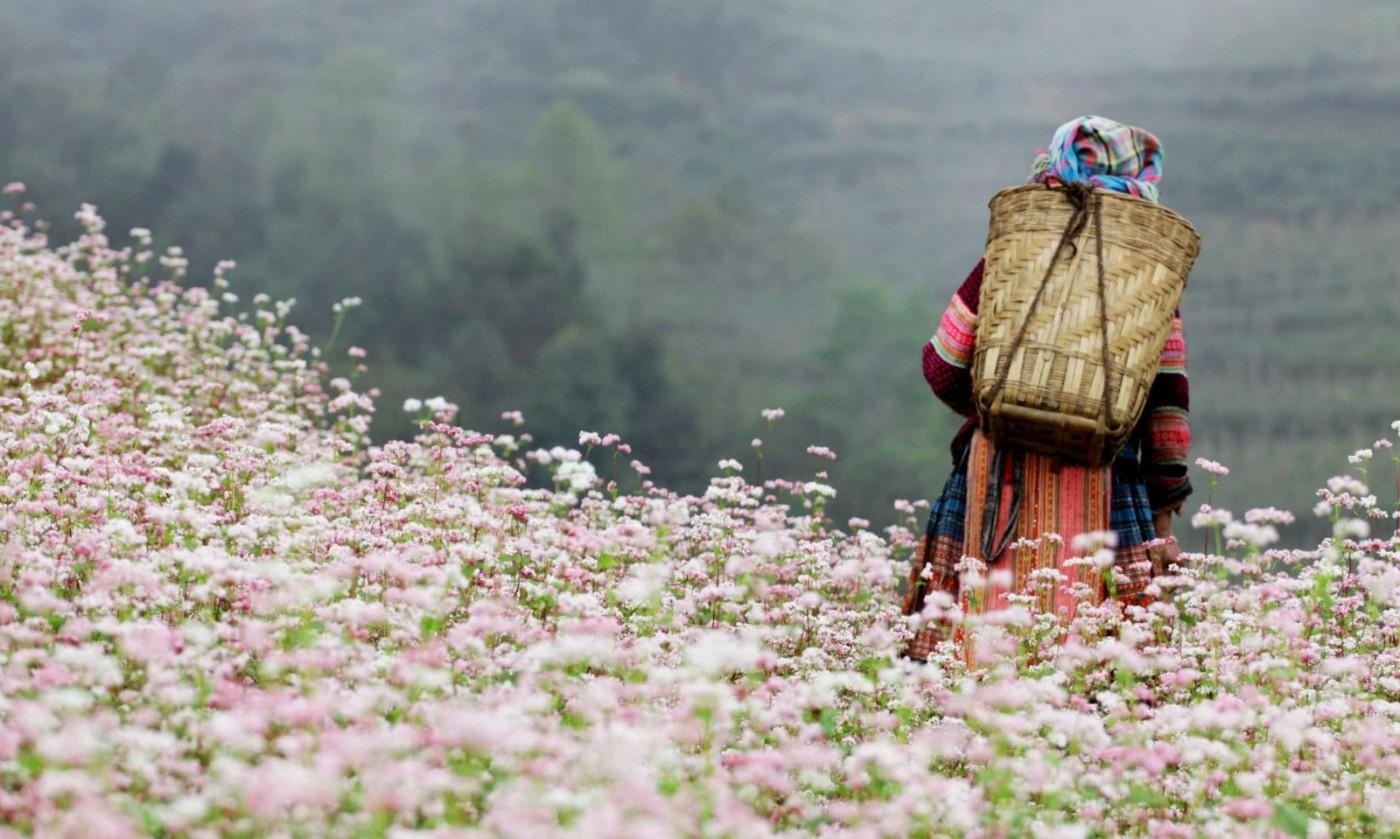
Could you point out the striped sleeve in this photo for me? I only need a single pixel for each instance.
(948, 354)
(1167, 433)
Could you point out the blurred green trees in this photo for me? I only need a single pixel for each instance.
(656, 218)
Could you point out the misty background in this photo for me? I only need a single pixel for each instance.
(657, 218)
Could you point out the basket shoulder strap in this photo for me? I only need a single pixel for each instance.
(1080, 195)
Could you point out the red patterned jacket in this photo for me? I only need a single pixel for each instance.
(1163, 434)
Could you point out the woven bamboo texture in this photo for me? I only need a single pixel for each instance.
(1052, 398)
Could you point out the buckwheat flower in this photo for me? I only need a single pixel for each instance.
(640, 468)
(580, 476)
(1212, 467)
(1396, 426)
(1346, 485)
(412, 406)
(346, 304)
(437, 404)
(1383, 443)
(1209, 516)
(821, 451)
(12, 188)
(309, 476)
(1352, 529)
(815, 488)
(1093, 540)
(775, 414)
(356, 352)
(717, 653)
(1254, 535)
(513, 417)
(858, 523)
(564, 455)
(731, 464)
(589, 438)
(141, 235)
(122, 533)
(1268, 515)
(1361, 456)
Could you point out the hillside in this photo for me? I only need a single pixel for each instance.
(657, 218)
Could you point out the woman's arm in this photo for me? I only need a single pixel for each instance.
(1166, 438)
(948, 354)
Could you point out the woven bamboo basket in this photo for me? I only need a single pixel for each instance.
(1039, 370)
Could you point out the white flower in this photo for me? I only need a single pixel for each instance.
(730, 463)
(1352, 529)
(716, 653)
(1212, 467)
(308, 476)
(1209, 517)
(1339, 484)
(1256, 535)
(412, 406)
(1268, 515)
(1093, 540)
(122, 532)
(579, 475)
(1361, 456)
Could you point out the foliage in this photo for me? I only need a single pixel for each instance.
(688, 187)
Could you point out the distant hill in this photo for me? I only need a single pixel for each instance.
(658, 217)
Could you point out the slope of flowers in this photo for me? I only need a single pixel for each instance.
(223, 612)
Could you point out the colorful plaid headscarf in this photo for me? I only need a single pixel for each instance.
(1105, 153)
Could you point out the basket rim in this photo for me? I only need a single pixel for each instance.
(1111, 194)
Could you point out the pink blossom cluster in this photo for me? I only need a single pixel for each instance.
(223, 611)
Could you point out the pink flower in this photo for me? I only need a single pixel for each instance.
(1212, 467)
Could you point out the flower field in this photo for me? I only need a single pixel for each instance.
(225, 612)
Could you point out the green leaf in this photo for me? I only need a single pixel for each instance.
(302, 635)
(30, 761)
(1290, 819)
(1142, 796)
(431, 625)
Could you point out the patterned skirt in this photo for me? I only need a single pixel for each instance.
(1018, 512)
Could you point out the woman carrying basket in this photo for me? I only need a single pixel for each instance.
(1001, 503)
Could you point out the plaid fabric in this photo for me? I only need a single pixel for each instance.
(945, 544)
(937, 557)
(1105, 153)
(935, 562)
(1130, 516)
